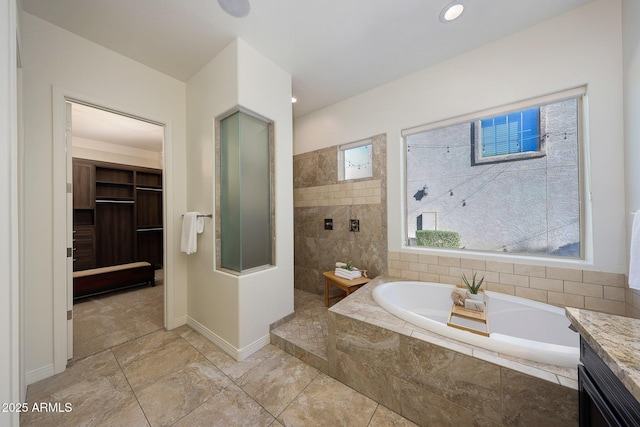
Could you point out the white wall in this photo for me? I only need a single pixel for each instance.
(235, 312)
(58, 63)
(631, 45)
(10, 346)
(85, 148)
(581, 47)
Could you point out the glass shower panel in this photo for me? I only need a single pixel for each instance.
(230, 192)
(245, 192)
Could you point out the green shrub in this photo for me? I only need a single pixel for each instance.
(438, 238)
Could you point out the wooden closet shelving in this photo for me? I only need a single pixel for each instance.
(117, 214)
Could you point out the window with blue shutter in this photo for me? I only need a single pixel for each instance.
(511, 133)
(507, 180)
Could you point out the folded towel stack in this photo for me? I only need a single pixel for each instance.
(348, 274)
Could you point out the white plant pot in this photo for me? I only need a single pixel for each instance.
(476, 297)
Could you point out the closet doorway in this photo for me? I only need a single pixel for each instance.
(117, 217)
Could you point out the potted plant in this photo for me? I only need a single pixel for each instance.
(473, 287)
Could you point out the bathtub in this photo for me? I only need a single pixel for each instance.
(518, 327)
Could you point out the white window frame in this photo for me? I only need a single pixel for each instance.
(586, 237)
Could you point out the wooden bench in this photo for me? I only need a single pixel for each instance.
(105, 279)
(346, 285)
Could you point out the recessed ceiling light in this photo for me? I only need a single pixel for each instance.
(294, 99)
(451, 11)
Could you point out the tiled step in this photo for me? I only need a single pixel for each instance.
(297, 350)
(305, 335)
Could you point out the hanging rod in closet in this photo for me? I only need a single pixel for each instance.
(114, 201)
(204, 216)
(149, 189)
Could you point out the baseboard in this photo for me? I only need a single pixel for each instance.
(236, 353)
(254, 346)
(179, 321)
(39, 374)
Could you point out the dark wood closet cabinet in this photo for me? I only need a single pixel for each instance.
(149, 231)
(117, 214)
(84, 230)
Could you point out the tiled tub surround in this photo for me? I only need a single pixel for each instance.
(563, 287)
(318, 195)
(433, 380)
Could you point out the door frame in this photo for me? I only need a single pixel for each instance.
(63, 228)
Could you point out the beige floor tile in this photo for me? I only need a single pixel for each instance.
(106, 321)
(327, 402)
(275, 382)
(97, 366)
(384, 417)
(99, 342)
(96, 390)
(149, 344)
(153, 356)
(149, 376)
(233, 407)
(227, 364)
(175, 395)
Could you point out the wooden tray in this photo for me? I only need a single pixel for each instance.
(476, 316)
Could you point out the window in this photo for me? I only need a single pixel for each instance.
(355, 160)
(512, 136)
(510, 133)
(521, 191)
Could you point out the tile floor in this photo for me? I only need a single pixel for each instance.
(179, 378)
(107, 320)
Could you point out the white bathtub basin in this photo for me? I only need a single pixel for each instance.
(518, 327)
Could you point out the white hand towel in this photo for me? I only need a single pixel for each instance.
(634, 254)
(192, 225)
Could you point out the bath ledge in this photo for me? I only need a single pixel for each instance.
(361, 306)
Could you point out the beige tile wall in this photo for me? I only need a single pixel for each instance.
(592, 290)
(632, 298)
(348, 193)
(319, 195)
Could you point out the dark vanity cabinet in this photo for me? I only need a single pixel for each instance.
(604, 400)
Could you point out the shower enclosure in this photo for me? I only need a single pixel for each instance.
(246, 214)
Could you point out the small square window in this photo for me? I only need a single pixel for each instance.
(513, 136)
(355, 160)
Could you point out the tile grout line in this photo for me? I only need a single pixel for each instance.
(297, 395)
(135, 396)
(234, 382)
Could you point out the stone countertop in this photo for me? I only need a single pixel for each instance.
(616, 339)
